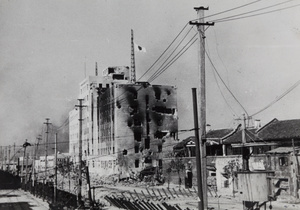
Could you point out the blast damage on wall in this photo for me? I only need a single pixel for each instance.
(137, 123)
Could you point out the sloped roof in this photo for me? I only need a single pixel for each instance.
(182, 144)
(237, 137)
(283, 129)
(282, 150)
(218, 134)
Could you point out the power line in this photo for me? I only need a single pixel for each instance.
(225, 83)
(171, 53)
(278, 98)
(164, 51)
(175, 58)
(229, 10)
(263, 13)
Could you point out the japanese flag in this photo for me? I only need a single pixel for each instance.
(139, 48)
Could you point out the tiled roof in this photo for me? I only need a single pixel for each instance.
(282, 150)
(284, 129)
(182, 144)
(221, 133)
(274, 130)
(237, 137)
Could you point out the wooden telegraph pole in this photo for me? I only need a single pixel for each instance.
(198, 152)
(202, 94)
(55, 169)
(79, 195)
(46, 147)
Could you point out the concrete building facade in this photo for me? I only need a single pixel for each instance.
(125, 125)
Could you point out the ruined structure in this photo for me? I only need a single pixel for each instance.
(125, 125)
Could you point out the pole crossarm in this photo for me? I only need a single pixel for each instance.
(201, 24)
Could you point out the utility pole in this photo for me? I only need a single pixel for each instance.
(245, 150)
(198, 152)
(55, 170)
(8, 158)
(26, 171)
(25, 145)
(14, 156)
(202, 94)
(79, 196)
(46, 147)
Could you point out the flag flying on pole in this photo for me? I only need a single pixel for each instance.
(139, 48)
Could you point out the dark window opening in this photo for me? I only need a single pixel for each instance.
(133, 110)
(160, 163)
(137, 136)
(147, 99)
(136, 148)
(159, 134)
(118, 76)
(137, 163)
(124, 152)
(163, 110)
(147, 143)
(168, 92)
(148, 160)
(159, 148)
(226, 184)
(107, 85)
(137, 122)
(129, 122)
(111, 70)
(283, 161)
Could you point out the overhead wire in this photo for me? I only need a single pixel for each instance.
(278, 98)
(218, 85)
(163, 52)
(229, 10)
(175, 58)
(231, 93)
(258, 14)
(153, 75)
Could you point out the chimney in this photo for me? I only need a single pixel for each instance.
(257, 124)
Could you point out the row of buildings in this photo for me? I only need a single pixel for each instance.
(273, 150)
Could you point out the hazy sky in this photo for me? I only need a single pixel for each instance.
(45, 47)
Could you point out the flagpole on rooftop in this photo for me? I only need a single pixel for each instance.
(132, 70)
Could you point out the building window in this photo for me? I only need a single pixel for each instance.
(159, 148)
(226, 183)
(137, 163)
(283, 161)
(147, 143)
(136, 148)
(160, 163)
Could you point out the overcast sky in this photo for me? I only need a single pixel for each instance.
(47, 46)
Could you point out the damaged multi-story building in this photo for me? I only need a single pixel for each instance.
(126, 125)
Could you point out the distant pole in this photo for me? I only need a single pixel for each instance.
(297, 171)
(46, 147)
(14, 159)
(22, 170)
(202, 94)
(245, 150)
(26, 173)
(55, 169)
(8, 158)
(79, 196)
(198, 152)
